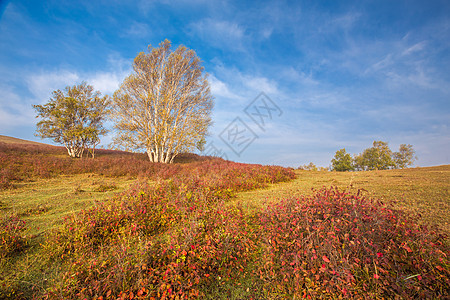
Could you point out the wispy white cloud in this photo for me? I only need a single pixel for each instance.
(266, 32)
(106, 82)
(244, 84)
(221, 89)
(417, 77)
(219, 33)
(415, 48)
(260, 84)
(137, 29)
(20, 117)
(13, 110)
(341, 22)
(43, 83)
(146, 5)
(405, 64)
(292, 75)
(379, 65)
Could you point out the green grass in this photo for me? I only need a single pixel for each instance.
(423, 191)
(44, 203)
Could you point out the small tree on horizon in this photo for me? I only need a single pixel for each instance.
(404, 157)
(73, 117)
(164, 106)
(342, 161)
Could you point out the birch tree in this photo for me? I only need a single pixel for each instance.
(164, 105)
(404, 157)
(73, 117)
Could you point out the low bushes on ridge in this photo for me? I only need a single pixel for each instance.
(23, 162)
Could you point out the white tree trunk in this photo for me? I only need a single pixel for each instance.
(151, 155)
(75, 152)
(158, 155)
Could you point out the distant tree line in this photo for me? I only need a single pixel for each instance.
(312, 167)
(377, 157)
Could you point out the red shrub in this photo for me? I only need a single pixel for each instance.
(172, 238)
(11, 235)
(335, 243)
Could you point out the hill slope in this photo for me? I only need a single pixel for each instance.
(13, 140)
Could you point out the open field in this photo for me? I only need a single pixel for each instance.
(121, 227)
(423, 191)
(43, 204)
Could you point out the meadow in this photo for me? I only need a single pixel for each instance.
(120, 227)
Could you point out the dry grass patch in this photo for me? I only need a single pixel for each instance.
(44, 203)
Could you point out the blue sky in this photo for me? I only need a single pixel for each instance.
(341, 73)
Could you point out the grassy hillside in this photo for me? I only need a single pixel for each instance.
(12, 140)
(119, 226)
